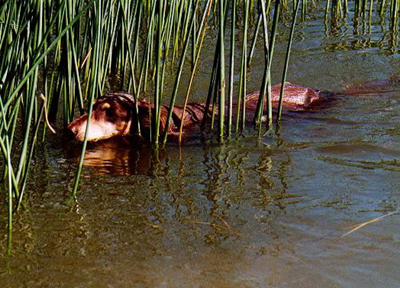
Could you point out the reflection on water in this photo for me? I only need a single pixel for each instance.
(123, 156)
(253, 212)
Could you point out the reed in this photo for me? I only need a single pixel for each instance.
(26, 41)
(221, 12)
(198, 43)
(178, 76)
(95, 75)
(241, 110)
(339, 9)
(285, 68)
(269, 46)
(232, 65)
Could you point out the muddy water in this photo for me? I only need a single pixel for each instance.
(253, 212)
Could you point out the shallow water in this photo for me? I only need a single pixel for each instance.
(252, 212)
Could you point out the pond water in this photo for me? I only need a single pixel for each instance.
(268, 211)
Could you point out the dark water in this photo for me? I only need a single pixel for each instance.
(253, 212)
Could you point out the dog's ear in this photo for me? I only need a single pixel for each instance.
(143, 114)
(145, 111)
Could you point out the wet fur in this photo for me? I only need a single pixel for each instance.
(114, 113)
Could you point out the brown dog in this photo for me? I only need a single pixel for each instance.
(113, 114)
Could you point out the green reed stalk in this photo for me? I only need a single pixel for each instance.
(266, 80)
(394, 12)
(178, 75)
(94, 79)
(304, 8)
(273, 34)
(168, 31)
(179, 22)
(254, 42)
(211, 89)
(215, 76)
(185, 31)
(30, 155)
(222, 69)
(34, 38)
(6, 150)
(10, 192)
(279, 114)
(157, 95)
(137, 24)
(365, 6)
(232, 66)
(266, 84)
(110, 37)
(194, 37)
(199, 44)
(149, 48)
(241, 107)
(370, 15)
(166, 40)
(382, 7)
(132, 65)
(40, 58)
(327, 9)
(31, 101)
(346, 7)
(146, 59)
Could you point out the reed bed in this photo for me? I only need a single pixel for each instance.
(70, 51)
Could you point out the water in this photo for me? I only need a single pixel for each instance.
(252, 212)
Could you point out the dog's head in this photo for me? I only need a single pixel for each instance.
(111, 116)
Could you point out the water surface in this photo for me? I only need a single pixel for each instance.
(266, 211)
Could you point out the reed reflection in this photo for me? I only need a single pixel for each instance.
(211, 189)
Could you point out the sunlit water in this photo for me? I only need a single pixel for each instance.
(252, 212)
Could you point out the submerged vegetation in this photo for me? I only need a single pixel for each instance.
(70, 52)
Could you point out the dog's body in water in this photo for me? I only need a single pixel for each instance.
(114, 113)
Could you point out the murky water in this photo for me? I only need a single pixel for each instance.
(253, 212)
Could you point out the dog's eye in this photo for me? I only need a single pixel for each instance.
(110, 112)
(106, 107)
